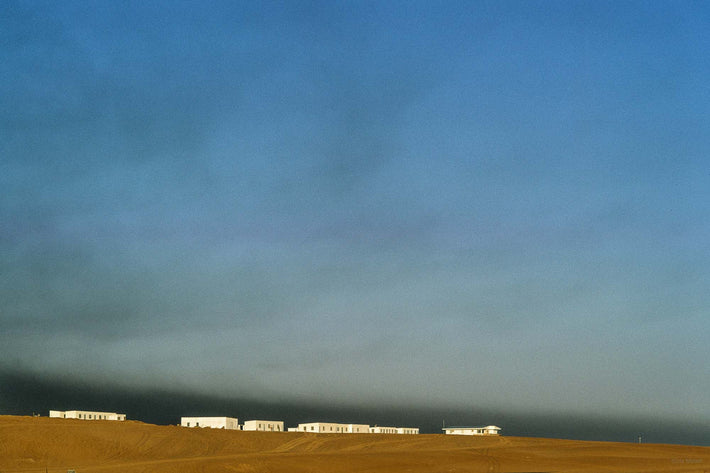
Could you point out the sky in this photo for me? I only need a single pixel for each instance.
(485, 207)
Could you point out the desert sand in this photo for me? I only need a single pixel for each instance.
(39, 444)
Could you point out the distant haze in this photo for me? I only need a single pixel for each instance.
(489, 207)
(19, 391)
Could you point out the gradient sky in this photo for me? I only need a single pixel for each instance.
(502, 205)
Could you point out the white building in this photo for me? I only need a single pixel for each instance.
(408, 430)
(383, 430)
(323, 428)
(488, 430)
(333, 428)
(87, 415)
(264, 425)
(394, 430)
(228, 423)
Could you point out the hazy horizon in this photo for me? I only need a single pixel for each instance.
(23, 394)
(494, 206)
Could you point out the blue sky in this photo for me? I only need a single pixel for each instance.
(500, 204)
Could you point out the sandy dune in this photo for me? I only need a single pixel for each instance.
(41, 444)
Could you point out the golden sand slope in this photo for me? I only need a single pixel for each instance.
(31, 444)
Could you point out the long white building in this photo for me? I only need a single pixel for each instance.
(336, 428)
(383, 430)
(408, 430)
(394, 430)
(264, 425)
(333, 428)
(228, 423)
(324, 428)
(87, 415)
(488, 430)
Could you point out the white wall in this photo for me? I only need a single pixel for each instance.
(489, 430)
(229, 423)
(334, 428)
(383, 430)
(323, 428)
(394, 430)
(458, 431)
(87, 415)
(264, 425)
(357, 428)
(408, 430)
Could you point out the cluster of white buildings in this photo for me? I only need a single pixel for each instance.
(325, 427)
(232, 423)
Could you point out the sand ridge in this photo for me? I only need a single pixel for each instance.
(38, 444)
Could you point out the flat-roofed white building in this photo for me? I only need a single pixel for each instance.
(323, 427)
(487, 430)
(333, 428)
(264, 425)
(228, 423)
(408, 430)
(383, 430)
(336, 428)
(87, 415)
(394, 430)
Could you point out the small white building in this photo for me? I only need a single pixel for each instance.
(264, 425)
(488, 430)
(228, 423)
(87, 415)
